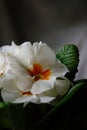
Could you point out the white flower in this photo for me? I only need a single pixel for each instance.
(31, 74)
(5, 52)
(2, 63)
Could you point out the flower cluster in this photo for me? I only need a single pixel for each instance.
(31, 73)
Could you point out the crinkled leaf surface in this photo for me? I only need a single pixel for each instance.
(69, 55)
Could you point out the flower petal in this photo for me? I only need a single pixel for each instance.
(20, 74)
(8, 96)
(2, 63)
(24, 82)
(59, 69)
(9, 85)
(44, 54)
(62, 85)
(35, 100)
(15, 97)
(50, 93)
(42, 86)
(6, 49)
(23, 99)
(24, 54)
(9, 91)
(46, 99)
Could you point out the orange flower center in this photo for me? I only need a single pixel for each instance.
(38, 74)
(26, 93)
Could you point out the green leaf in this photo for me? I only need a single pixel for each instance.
(3, 105)
(68, 96)
(13, 118)
(69, 55)
(70, 93)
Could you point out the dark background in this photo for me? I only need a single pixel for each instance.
(55, 22)
(39, 20)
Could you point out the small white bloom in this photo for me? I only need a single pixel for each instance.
(6, 53)
(31, 74)
(2, 67)
(2, 63)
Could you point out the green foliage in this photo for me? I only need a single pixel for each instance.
(71, 92)
(69, 55)
(13, 118)
(3, 105)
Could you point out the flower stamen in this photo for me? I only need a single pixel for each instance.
(26, 93)
(37, 73)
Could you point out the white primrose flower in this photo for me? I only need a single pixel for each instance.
(5, 52)
(2, 65)
(31, 74)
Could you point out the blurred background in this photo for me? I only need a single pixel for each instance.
(55, 22)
